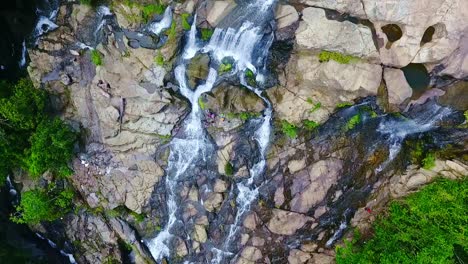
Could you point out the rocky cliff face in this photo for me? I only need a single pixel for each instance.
(112, 75)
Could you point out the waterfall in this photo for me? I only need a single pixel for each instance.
(165, 23)
(397, 130)
(192, 48)
(192, 144)
(47, 14)
(62, 252)
(22, 62)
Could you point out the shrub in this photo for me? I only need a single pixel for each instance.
(24, 109)
(326, 56)
(96, 57)
(51, 148)
(288, 129)
(426, 227)
(41, 205)
(206, 33)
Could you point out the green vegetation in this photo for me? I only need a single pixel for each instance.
(419, 156)
(250, 77)
(309, 125)
(185, 24)
(31, 140)
(344, 105)
(288, 129)
(225, 67)
(159, 59)
(206, 33)
(315, 106)
(172, 31)
(43, 205)
(148, 11)
(244, 116)
(96, 57)
(28, 138)
(24, 108)
(228, 169)
(429, 226)
(429, 161)
(51, 149)
(353, 122)
(201, 103)
(326, 56)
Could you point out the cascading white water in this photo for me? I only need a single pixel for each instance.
(184, 151)
(398, 130)
(165, 23)
(103, 11)
(22, 62)
(239, 45)
(62, 252)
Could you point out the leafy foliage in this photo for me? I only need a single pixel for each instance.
(288, 129)
(43, 205)
(326, 56)
(96, 57)
(51, 148)
(28, 139)
(24, 109)
(429, 226)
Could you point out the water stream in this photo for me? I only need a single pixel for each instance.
(192, 146)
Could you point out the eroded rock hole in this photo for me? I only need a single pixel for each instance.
(417, 76)
(428, 34)
(393, 32)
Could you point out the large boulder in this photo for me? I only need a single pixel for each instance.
(307, 82)
(318, 32)
(285, 222)
(285, 16)
(352, 7)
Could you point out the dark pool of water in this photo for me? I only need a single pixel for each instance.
(417, 76)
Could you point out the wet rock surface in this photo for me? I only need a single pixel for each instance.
(161, 165)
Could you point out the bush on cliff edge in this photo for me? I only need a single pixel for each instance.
(429, 226)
